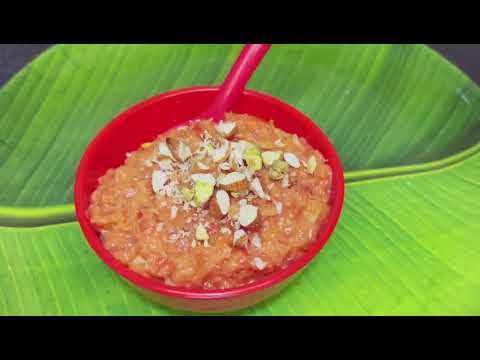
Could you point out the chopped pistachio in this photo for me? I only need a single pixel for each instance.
(269, 157)
(253, 158)
(278, 170)
(274, 175)
(201, 233)
(187, 193)
(311, 164)
(146, 145)
(203, 192)
(280, 166)
(210, 149)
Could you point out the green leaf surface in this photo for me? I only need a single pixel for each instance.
(382, 105)
(405, 122)
(404, 245)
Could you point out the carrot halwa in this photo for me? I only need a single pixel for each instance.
(213, 206)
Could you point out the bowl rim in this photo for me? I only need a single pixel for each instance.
(155, 285)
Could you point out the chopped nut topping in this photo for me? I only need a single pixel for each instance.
(311, 164)
(279, 207)
(233, 182)
(202, 166)
(240, 238)
(221, 154)
(220, 204)
(226, 128)
(225, 166)
(256, 241)
(173, 212)
(179, 150)
(201, 233)
(159, 179)
(248, 215)
(205, 178)
(203, 192)
(256, 186)
(253, 158)
(291, 160)
(259, 263)
(165, 164)
(278, 170)
(164, 150)
(269, 157)
(187, 193)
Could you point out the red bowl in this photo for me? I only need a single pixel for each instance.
(144, 122)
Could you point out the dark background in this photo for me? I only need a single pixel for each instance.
(14, 56)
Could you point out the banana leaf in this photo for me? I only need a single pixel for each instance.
(406, 124)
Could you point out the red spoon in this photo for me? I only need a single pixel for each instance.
(146, 120)
(234, 84)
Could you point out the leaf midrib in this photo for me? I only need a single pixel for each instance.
(20, 217)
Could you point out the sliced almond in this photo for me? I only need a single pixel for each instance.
(220, 204)
(291, 160)
(257, 188)
(225, 166)
(159, 179)
(233, 182)
(180, 151)
(227, 129)
(206, 178)
(256, 241)
(173, 212)
(259, 263)
(240, 238)
(223, 201)
(164, 150)
(165, 164)
(236, 155)
(279, 207)
(202, 166)
(221, 154)
(244, 145)
(248, 215)
(285, 182)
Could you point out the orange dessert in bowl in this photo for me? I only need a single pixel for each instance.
(209, 216)
(214, 206)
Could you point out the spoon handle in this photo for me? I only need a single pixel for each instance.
(234, 84)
